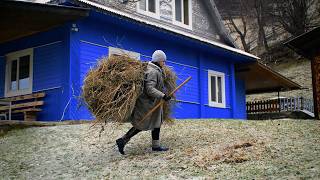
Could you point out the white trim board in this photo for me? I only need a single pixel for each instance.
(178, 23)
(217, 44)
(147, 12)
(15, 56)
(143, 55)
(223, 89)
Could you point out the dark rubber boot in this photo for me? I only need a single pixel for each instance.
(160, 148)
(121, 143)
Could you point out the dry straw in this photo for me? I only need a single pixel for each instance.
(110, 90)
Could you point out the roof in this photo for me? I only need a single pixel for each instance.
(307, 44)
(262, 79)
(170, 29)
(20, 19)
(213, 11)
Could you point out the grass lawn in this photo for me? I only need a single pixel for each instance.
(224, 149)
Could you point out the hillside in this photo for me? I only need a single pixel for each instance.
(199, 149)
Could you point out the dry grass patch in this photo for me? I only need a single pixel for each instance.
(212, 149)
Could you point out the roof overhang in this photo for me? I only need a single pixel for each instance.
(262, 79)
(20, 19)
(307, 44)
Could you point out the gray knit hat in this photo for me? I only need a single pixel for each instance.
(159, 55)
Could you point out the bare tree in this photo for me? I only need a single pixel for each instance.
(260, 8)
(296, 16)
(240, 24)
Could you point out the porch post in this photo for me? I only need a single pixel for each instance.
(315, 69)
(279, 104)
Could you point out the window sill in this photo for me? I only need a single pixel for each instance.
(180, 24)
(222, 106)
(149, 14)
(11, 94)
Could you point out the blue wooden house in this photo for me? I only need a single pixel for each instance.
(50, 48)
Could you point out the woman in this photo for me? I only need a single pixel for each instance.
(152, 95)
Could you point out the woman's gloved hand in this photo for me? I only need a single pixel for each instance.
(166, 97)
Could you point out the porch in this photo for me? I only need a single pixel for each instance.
(292, 107)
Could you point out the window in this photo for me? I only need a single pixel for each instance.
(216, 89)
(178, 12)
(182, 13)
(119, 52)
(149, 7)
(19, 73)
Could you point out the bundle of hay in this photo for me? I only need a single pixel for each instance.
(169, 84)
(110, 90)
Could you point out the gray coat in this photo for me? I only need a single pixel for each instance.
(152, 95)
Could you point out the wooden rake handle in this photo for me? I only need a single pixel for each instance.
(161, 102)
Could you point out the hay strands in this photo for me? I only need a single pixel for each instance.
(161, 102)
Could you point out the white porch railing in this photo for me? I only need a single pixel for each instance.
(281, 105)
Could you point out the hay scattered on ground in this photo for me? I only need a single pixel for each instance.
(111, 89)
(237, 152)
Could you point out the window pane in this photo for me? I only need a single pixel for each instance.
(219, 90)
(213, 89)
(142, 5)
(13, 77)
(152, 6)
(186, 12)
(178, 10)
(24, 72)
(166, 10)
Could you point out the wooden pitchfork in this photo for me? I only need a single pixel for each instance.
(162, 101)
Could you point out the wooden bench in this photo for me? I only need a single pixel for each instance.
(28, 104)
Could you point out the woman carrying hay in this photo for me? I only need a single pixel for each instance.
(152, 95)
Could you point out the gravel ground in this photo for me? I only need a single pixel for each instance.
(229, 149)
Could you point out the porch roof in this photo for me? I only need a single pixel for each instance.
(20, 19)
(306, 44)
(262, 79)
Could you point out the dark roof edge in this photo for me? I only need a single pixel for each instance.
(51, 5)
(294, 38)
(214, 12)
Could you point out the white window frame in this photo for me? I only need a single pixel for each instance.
(223, 89)
(148, 13)
(118, 51)
(15, 56)
(178, 23)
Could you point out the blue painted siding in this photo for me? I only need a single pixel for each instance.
(47, 66)
(184, 110)
(88, 57)
(241, 101)
(89, 54)
(189, 92)
(219, 65)
(50, 68)
(2, 75)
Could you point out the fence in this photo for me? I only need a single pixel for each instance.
(280, 105)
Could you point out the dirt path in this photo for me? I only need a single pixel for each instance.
(220, 149)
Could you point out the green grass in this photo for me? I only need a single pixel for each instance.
(224, 149)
